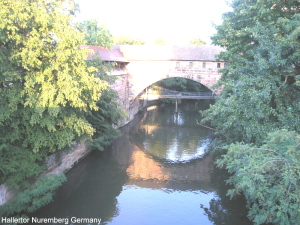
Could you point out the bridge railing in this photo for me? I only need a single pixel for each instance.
(166, 93)
(163, 91)
(210, 93)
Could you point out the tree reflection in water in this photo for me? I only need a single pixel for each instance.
(158, 172)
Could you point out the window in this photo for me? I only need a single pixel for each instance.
(204, 65)
(218, 65)
(191, 65)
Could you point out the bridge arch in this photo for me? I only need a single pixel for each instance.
(139, 66)
(142, 74)
(205, 88)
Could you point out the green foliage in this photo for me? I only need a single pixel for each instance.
(176, 83)
(160, 41)
(109, 110)
(260, 95)
(197, 41)
(46, 89)
(126, 40)
(17, 165)
(261, 84)
(38, 195)
(180, 84)
(105, 119)
(95, 35)
(46, 86)
(268, 176)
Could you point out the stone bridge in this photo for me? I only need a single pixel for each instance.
(139, 66)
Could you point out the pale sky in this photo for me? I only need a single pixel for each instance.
(177, 22)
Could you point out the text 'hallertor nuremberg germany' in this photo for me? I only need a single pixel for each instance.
(36, 220)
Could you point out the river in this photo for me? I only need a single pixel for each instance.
(158, 172)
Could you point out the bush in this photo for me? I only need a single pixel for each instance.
(38, 195)
(268, 176)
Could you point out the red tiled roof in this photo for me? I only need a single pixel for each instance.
(126, 53)
(169, 52)
(106, 55)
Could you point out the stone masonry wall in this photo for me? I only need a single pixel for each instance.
(57, 163)
(144, 73)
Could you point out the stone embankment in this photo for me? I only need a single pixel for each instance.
(61, 162)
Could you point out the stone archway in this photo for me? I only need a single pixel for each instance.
(142, 74)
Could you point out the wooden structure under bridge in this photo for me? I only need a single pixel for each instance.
(165, 93)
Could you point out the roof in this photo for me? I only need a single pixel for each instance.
(113, 55)
(169, 52)
(125, 53)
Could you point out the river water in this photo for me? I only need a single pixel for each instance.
(158, 172)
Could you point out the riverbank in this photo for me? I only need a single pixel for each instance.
(62, 161)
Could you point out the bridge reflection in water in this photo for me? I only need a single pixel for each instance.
(187, 188)
(144, 167)
(157, 172)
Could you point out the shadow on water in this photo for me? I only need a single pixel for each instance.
(157, 172)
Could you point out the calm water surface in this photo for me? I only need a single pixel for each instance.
(157, 172)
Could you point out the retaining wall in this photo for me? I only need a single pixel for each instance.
(61, 162)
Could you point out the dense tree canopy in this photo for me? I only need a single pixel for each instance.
(196, 41)
(269, 177)
(180, 84)
(46, 90)
(160, 41)
(109, 110)
(95, 35)
(259, 106)
(261, 83)
(45, 84)
(126, 40)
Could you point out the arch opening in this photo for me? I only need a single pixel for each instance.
(174, 89)
(181, 84)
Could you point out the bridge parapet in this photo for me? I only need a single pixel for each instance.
(196, 70)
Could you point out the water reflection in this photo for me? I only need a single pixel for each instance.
(145, 167)
(158, 172)
(171, 136)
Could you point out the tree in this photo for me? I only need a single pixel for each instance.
(180, 84)
(46, 85)
(269, 177)
(38, 195)
(95, 35)
(261, 83)
(126, 40)
(46, 88)
(260, 96)
(197, 41)
(160, 41)
(110, 111)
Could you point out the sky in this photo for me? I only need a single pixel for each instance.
(176, 22)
